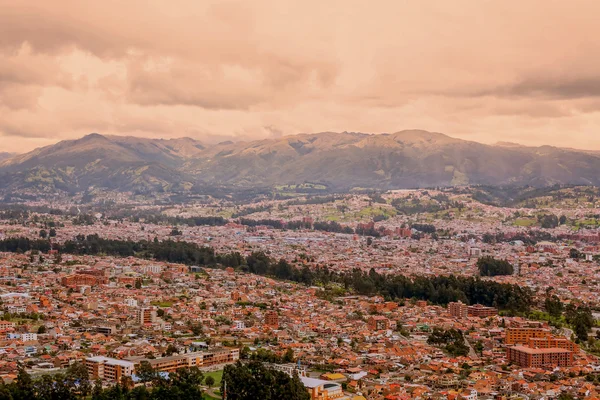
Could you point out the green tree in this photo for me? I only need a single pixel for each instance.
(255, 381)
(146, 372)
(210, 381)
(553, 306)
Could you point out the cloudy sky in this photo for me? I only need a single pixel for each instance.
(521, 71)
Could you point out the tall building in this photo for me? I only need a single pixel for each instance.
(549, 342)
(522, 335)
(458, 309)
(108, 369)
(146, 315)
(481, 311)
(272, 319)
(527, 357)
(378, 323)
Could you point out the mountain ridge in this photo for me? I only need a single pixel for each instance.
(338, 160)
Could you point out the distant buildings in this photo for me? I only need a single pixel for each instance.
(522, 335)
(108, 369)
(378, 323)
(460, 310)
(146, 315)
(527, 357)
(272, 319)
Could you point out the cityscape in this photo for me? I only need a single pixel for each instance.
(299, 200)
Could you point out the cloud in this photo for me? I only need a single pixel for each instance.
(487, 71)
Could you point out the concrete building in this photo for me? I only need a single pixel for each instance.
(197, 359)
(458, 309)
(272, 319)
(527, 357)
(522, 335)
(108, 369)
(481, 311)
(146, 315)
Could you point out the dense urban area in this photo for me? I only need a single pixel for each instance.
(465, 292)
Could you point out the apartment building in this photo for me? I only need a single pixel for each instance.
(527, 357)
(378, 323)
(146, 315)
(197, 359)
(458, 309)
(272, 319)
(108, 369)
(481, 311)
(522, 335)
(549, 342)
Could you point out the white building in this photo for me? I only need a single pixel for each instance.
(131, 302)
(28, 337)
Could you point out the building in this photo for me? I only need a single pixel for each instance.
(272, 319)
(481, 311)
(197, 359)
(131, 302)
(83, 279)
(322, 390)
(378, 323)
(474, 252)
(458, 309)
(108, 369)
(522, 335)
(146, 316)
(549, 342)
(28, 337)
(527, 357)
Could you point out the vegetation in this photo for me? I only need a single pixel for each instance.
(438, 290)
(254, 380)
(489, 266)
(451, 340)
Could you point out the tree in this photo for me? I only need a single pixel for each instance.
(43, 234)
(77, 374)
(553, 306)
(170, 350)
(479, 347)
(146, 372)
(23, 384)
(210, 381)
(288, 357)
(138, 284)
(451, 340)
(197, 329)
(41, 329)
(562, 220)
(256, 381)
(52, 232)
(489, 266)
(574, 254)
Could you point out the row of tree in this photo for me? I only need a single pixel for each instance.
(438, 290)
(249, 381)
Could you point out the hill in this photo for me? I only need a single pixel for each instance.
(340, 161)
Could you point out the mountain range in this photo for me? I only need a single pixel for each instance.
(339, 161)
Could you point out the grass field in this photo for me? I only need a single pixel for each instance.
(217, 376)
(525, 222)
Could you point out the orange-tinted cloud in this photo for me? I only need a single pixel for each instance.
(485, 70)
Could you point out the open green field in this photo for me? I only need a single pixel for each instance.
(525, 222)
(217, 376)
(162, 304)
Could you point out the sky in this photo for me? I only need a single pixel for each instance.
(485, 70)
